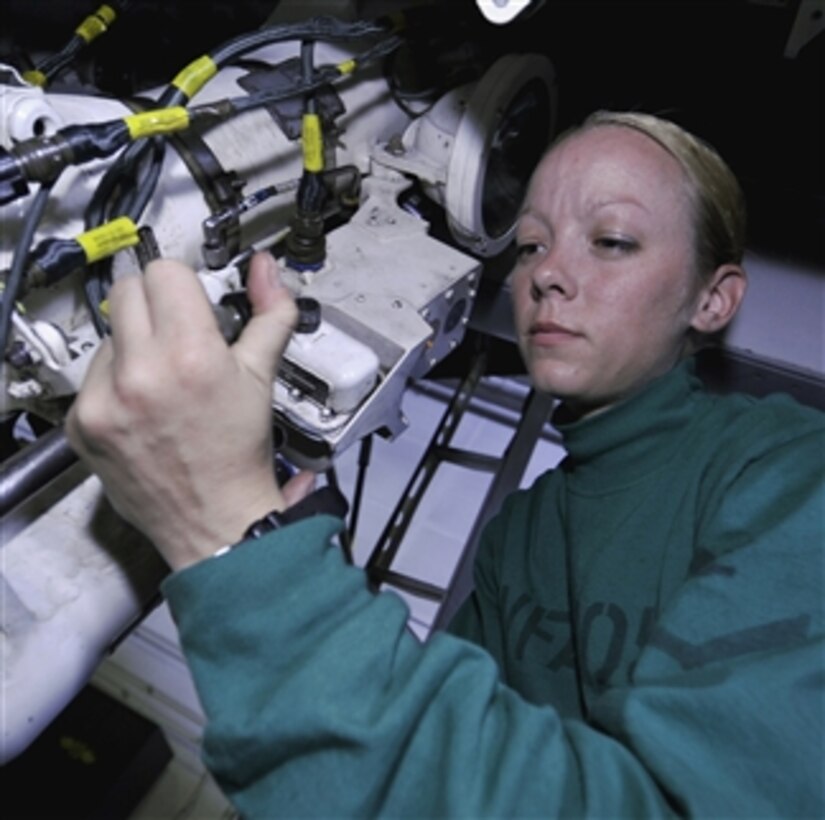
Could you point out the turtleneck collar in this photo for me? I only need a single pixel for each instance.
(628, 441)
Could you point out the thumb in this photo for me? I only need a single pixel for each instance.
(274, 315)
(298, 487)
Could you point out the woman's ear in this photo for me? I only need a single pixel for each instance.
(719, 299)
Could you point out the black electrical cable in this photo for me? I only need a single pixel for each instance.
(321, 28)
(18, 266)
(381, 49)
(85, 142)
(136, 203)
(137, 164)
(364, 456)
(343, 537)
(323, 75)
(98, 274)
(94, 294)
(134, 199)
(311, 191)
(130, 181)
(119, 176)
(307, 70)
(55, 63)
(122, 173)
(318, 28)
(402, 98)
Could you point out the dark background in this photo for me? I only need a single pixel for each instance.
(717, 67)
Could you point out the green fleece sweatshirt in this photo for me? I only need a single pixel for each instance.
(645, 639)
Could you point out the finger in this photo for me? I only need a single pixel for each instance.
(96, 385)
(298, 487)
(177, 300)
(274, 315)
(264, 284)
(129, 318)
(100, 367)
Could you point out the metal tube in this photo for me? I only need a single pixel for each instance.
(34, 466)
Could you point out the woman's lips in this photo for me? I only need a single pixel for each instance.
(545, 334)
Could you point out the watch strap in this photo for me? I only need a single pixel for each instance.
(327, 500)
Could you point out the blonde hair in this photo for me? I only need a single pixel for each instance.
(718, 201)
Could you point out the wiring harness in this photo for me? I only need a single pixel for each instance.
(138, 143)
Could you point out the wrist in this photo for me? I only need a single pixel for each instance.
(199, 531)
(324, 501)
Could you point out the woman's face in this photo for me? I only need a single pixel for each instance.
(605, 287)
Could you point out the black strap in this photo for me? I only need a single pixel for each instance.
(327, 500)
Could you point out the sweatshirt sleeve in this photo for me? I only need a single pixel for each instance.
(320, 702)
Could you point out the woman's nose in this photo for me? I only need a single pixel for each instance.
(551, 276)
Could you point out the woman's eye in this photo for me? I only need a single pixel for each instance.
(616, 244)
(524, 250)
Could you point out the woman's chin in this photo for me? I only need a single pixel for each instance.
(562, 382)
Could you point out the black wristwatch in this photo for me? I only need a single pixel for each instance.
(327, 500)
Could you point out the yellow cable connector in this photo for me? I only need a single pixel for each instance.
(191, 79)
(159, 121)
(96, 24)
(106, 240)
(35, 77)
(313, 143)
(107, 14)
(103, 307)
(347, 67)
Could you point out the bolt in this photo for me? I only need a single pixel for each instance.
(18, 355)
(395, 146)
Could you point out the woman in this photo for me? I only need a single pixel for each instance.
(645, 633)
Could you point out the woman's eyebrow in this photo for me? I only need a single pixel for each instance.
(620, 200)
